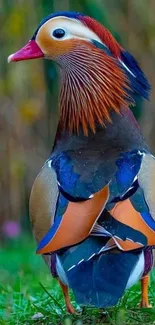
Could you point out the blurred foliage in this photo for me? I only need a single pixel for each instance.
(28, 91)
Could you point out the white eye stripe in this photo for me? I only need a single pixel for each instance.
(73, 29)
(67, 36)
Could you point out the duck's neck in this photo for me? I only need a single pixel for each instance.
(120, 135)
(92, 85)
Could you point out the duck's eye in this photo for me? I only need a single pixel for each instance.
(59, 33)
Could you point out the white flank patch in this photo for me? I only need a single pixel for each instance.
(137, 272)
(61, 272)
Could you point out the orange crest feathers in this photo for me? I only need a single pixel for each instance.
(103, 33)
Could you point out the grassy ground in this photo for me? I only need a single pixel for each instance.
(28, 294)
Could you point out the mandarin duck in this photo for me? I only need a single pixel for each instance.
(92, 205)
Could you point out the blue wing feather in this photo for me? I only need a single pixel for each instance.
(61, 207)
(148, 219)
(94, 282)
(122, 186)
(50, 234)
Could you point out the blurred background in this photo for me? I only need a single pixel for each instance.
(28, 92)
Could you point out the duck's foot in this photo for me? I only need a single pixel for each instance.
(145, 304)
(69, 306)
(144, 288)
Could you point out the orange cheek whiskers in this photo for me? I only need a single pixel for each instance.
(93, 84)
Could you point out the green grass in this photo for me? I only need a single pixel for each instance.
(27, 289)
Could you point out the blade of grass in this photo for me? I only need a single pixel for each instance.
(49, 294)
